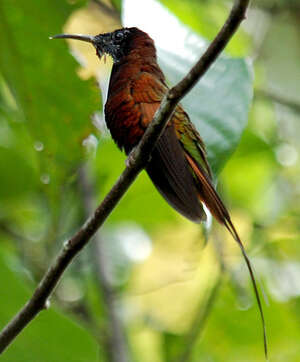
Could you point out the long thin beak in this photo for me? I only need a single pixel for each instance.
(87, 38)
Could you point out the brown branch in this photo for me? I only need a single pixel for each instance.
(115, 340)
(277, 98)
(117, 345)
(137, 161)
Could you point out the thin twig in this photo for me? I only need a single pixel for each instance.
(138, 160)
(280, 7)
(10, 232)
(200, 320)
(117, 348)
(277, 98)
(110, 11)
(205, 310)
(116, 337)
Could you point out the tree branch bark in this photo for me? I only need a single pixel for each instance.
(138, 159)
(116, 343)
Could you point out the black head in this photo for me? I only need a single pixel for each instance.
(117, 43)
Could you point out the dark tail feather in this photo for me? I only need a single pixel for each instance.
(171, 175)
(230, 227)
(226, 220)
(211, 199)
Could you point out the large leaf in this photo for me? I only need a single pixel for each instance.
(44, 112)
(38, 74)
(17, 175)
(219, 103)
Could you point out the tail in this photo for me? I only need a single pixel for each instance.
(211, 199)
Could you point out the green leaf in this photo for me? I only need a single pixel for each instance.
(238, 330)
(49, 337)
(40, 75)
(254, 158)
(219, 104)
(17, 175)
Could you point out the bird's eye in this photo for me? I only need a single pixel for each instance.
(119, 35)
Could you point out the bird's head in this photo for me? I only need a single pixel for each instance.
(117, 43)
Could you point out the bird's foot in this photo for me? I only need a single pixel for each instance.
(130, 160)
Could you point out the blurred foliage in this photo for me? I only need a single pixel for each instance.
(49, 332)
(173, 299)
(205, 17)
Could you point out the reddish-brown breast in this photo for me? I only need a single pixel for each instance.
(136, 88)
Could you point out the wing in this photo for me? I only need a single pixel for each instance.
(130, 108)
(168, 167)
(128, 113)
(170, 173)
(191, 140)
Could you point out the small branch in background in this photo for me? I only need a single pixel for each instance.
(278, 99)
(24, 246)
(115, 336)
(205, 310)
(11, 233)
(275, 8)
(200, 320)
(137, 161)
(108, 10)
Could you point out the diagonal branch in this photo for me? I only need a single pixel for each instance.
(138, 160)
(277, 98)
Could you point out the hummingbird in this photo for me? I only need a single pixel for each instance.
(178, 166)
